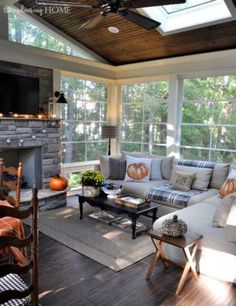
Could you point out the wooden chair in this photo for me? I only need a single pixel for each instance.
(13, 287)
(6, 172)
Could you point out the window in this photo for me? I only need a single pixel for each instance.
(144, 117)
(170, 9)
(189, 15)
(22, 31)
(83, 116)
(208, 128)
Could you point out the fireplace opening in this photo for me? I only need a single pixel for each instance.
(32, 164)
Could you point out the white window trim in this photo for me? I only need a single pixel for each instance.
(78, 166)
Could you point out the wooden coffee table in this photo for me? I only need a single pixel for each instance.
(105, 203)
(188, 243)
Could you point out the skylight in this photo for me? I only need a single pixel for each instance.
(190, 15)
(184, 6)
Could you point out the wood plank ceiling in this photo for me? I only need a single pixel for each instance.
(133, 43)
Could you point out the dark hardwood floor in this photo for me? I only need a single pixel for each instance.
(68, 278)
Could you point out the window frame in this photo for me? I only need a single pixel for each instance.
(80, 164)
(211, 125)
(142, 143)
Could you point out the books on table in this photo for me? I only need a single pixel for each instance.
(104, 216)
(132, 202)
(118, 221)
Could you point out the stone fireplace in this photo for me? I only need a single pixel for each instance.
(36, 143)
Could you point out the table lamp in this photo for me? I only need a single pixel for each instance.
(109, 131)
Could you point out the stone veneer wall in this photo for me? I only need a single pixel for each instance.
(47, 138)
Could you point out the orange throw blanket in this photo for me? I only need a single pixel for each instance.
(13, 227)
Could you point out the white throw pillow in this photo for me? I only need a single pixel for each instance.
(166, 165)
(156, 169)
(230, 229)
(232, 174)
(137, 169)
(203, 175)
(104, 166)
(221, 214)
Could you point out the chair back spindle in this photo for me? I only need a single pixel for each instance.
(11, 185)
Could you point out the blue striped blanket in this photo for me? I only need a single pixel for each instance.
(168, 196)
(196, 163)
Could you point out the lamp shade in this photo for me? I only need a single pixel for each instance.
(60, 96)
(109, 131)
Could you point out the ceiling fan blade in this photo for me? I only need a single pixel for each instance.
(148, 3)
(140, 20)
(91, 23)
(62, 3)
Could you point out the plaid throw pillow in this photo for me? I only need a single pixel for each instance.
(117, 168)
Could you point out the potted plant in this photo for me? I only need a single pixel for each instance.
(91, 181)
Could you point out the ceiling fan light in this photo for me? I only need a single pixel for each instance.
(113, 30)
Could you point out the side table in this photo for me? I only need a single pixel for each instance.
(188, 243)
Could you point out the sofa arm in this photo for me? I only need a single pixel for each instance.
(230, 228)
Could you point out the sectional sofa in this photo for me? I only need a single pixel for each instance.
(198, 206)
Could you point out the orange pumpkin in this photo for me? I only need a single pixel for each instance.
(228, 187)
(58, 183)
(137, 171)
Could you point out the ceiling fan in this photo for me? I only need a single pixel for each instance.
(120, 7)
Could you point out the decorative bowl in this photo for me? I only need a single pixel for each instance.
(111, 192)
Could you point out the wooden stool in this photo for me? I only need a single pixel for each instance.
(188, 243)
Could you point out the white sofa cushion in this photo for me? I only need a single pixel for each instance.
(221, 214)
(219, 175)
(140, 189)
(230, 229)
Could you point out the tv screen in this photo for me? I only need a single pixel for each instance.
(19, 94)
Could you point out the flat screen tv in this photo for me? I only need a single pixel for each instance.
(19, 94)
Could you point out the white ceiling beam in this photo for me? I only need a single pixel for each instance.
(19, 53)
(55, 32)
(205, 64)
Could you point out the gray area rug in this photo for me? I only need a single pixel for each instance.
(105, 244)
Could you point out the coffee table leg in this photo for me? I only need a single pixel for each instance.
(154, 215)
(81, 209)
(134, 227)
